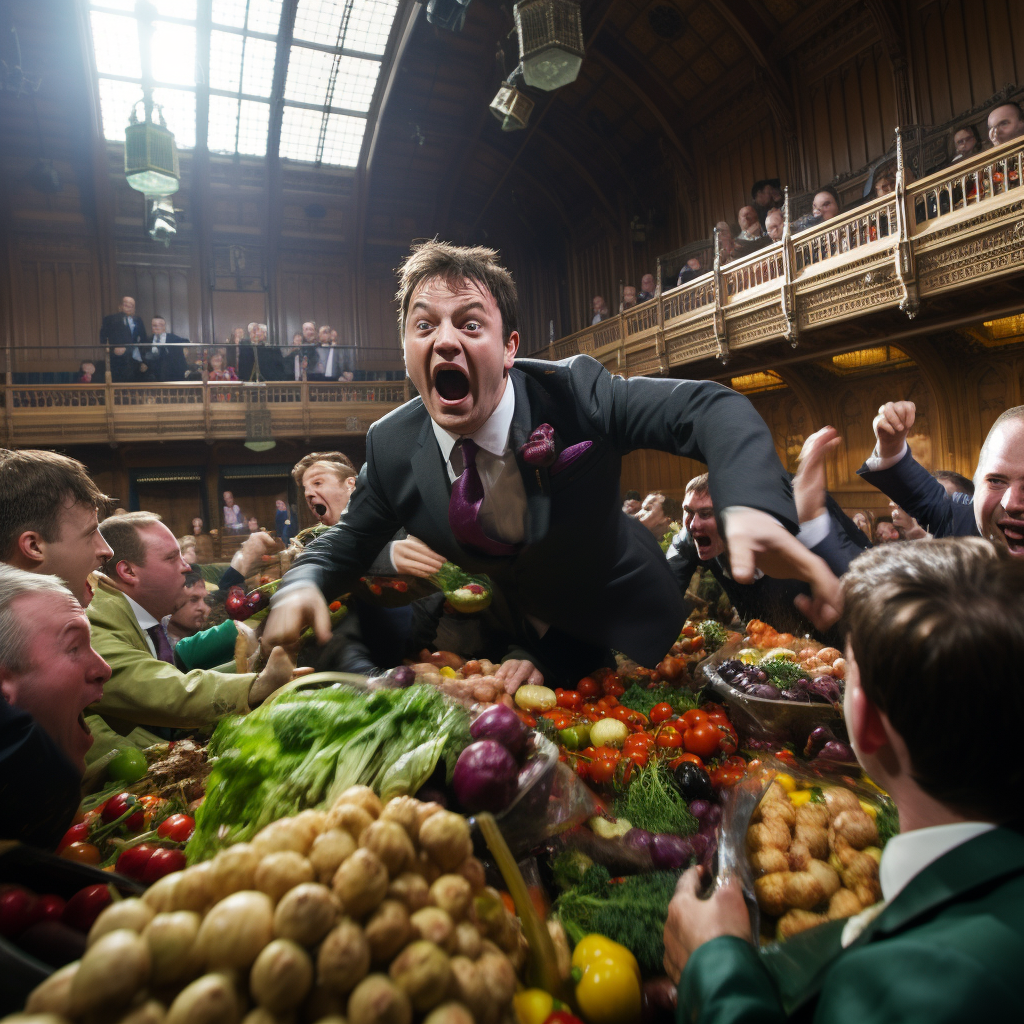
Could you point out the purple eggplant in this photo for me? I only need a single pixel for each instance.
(639, 839)
(670, 853)
(834, 750)
(826, 689)
(764, 691)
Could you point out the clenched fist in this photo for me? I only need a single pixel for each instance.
(892, 425)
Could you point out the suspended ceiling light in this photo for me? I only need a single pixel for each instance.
(512, 107)
(150, 155)
(550, 42)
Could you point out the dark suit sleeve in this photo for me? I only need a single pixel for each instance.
(682, 559)
(105, 338)
(695, 419)
(724, 983)
(920, 495)
(336, 559)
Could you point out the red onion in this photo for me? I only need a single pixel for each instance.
(486, 777)
(670, 853)
(699, 809)
(502, 724)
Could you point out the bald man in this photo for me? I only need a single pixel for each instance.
(1005, 123)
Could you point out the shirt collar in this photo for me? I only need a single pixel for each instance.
(144, 619)
(493, 435)
(909, 853)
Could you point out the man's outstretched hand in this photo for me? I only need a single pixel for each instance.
(692, 921)
(518, 672)
(756, 540)
(279, 669)
(892, 425)
(414, 558)
(809, 484)
(291, 611)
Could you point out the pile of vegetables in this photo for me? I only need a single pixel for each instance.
(773, 681)
(465, 593)
(369, 913)
(487, 773)
(303, 748)
(815, 852)
(468, 682)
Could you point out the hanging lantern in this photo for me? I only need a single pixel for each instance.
(550, 42)
(151, 156)
(511, 107)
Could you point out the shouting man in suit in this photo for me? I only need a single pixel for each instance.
(512, 469)
(122, 333)
(946, 944)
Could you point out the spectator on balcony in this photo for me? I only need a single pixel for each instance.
(284, 524)
(629, 296)
(774, 224)
(646, 292)
(726, 242)
(600, 310)
(86, 373)
(233, 521)
(296, 358)
(690, 269)
(826, 204)
(631, 503)
(218, 369)
(766, 195)
(1004, 123)
(343, 357)
(252, 524)
(965, 143)
(203, 542)
(121, 334)
(168, 363)
(750, 224)
(271, 365)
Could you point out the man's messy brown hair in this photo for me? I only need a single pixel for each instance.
(455, 265)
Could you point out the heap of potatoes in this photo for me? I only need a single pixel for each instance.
(361, 914)
(812, 863)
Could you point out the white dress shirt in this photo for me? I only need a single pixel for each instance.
(906, 855)
(145, 621)
(874, 462)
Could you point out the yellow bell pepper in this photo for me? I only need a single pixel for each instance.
(800, 797)
(787, 782)
(870, 808)
(607, 980)
(534, 1005)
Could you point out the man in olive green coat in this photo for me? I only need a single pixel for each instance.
(948, 942)
(142, 581)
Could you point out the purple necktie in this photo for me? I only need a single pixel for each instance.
(464, 507)
(164, 651)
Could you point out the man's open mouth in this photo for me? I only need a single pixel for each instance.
(451, 385)
(1014, 533)
(702, 542)
(319, 508)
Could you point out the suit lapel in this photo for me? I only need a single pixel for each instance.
(432, 478)
(535, 478)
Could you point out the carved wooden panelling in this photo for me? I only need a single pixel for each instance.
(56, 308)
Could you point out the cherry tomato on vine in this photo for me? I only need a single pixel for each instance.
(178, 828)
(638, 741)
(638, 756)
(560, 718)
(728, 741)
(116, 806)
(163, 862)
(76, 834)
(571, 700)
(132, 862)
(661, 712)
(588, 688)
(693, 718)
(81, 853)
(85, 906)
(668, 737)
(702, 740)
(612, 687)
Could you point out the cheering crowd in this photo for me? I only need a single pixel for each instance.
(511, 468)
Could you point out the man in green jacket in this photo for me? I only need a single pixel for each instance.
(143, 581)
(948, 942)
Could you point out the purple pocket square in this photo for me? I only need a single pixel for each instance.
(569, 456)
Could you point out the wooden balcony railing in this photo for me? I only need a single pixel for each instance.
(954, 229)
(89, 413)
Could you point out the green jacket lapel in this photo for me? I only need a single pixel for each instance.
(109, 609)
(535, 478)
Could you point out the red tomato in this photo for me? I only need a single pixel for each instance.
(76, 834)
(118, 805)
(83, 853)
(692, 758)
(661, 712)
(638, 741)
(723, 778)
(151, 802)
(692, 718)
(19, 909)
(570, 699)
(612, 687)
(132, 862)
(163, 862)
(602, 674)
(50, 907)
(668, 737)
(527, 719)
(734, 761)
(628, 716)
(560, 718)
(639, 757)
(608, 702)
(728, 741)
(85, 906)
(588, 688)
(178, 828)
(702, 740)
(602, 769)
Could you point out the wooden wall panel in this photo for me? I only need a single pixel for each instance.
(159, 291)
(322, 294)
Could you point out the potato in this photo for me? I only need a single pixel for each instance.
(427, 810)
(798, 857)
(161, 896)
(53, 995)
(770, 833)
(235, 930)
(857, 827)
(152, 1011)
(771, 894)
(288, 834)
(391, 843)
(360, 882)
(467, 940)
(869, 892)
(445, 837)
(279, 872)
(171, 939)
(233, 870)
(196, 890)
(467, 985)
(131, 913)
(770, 859)
(838, 799)
(812, 815)
(826, 875)
(434, 925)
(815, 839)
(498, 976)
(344, 957)
(282, 976)
(411, 889)
(795, 921)
(362, 796)
(422, 971)
(427, 867)
(210, 999)
(306, 914)
(351, 818)
(261, 1015)
(378, 1000)
(802, 890)
(329, 849)
(843, 904)
(406, 811)
(472, 870)
(112, 971)
(316, 820)
(782, 809)
(387, 931)
(450, 1013)
(452, 893)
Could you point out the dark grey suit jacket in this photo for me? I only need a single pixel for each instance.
(585, 567)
